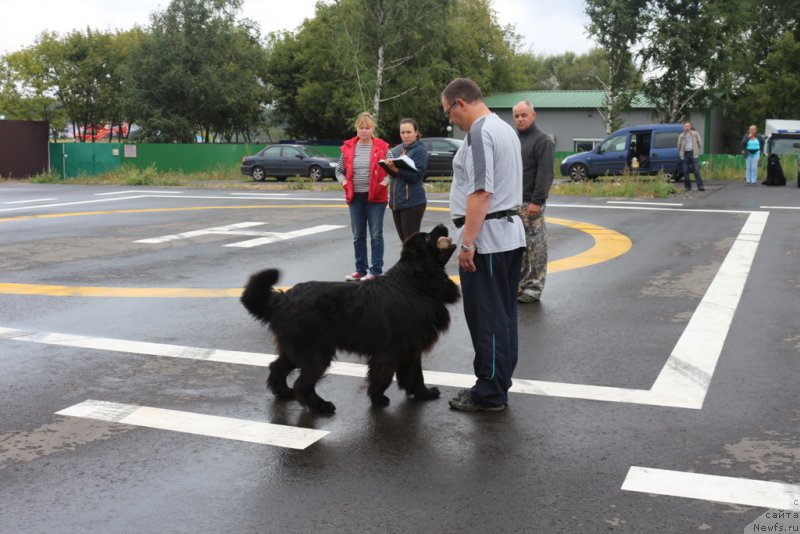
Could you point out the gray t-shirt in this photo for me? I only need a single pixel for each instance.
(490, 159)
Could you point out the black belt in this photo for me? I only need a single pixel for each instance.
(459, 221)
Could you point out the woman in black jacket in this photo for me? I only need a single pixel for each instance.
(406, 190)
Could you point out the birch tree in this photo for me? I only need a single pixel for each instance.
(617, 26)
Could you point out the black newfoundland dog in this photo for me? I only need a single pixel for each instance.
(775, 174)
(391, 320)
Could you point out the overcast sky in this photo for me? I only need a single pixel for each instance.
(547, 27)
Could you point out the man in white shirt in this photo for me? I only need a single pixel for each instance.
(484, 200)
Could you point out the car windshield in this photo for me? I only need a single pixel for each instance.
(313, 152)
(784, 146)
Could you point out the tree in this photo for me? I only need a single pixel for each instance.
(761, 72)
(777, 93)
(689, 46)
(616, 25)
(29, 90)
(390, 58)
(197, 70)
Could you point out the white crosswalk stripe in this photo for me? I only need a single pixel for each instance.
(196, 423)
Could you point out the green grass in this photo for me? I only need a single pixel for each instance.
(618, 186)
(715, 167)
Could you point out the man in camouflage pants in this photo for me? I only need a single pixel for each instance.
(537, 177)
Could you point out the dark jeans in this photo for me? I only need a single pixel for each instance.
(490, 308)
(363, 214)
(408, 221)
(687, 157)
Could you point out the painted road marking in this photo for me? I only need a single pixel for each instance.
(608, 244)
(780, 207)
(196, 423)
(138, 192)
(746, 492)
(29, 201)
(224, 230)
(695, 356)
(633, 203)
(61, 204)
(683, 381)
(259, 195)
(237, 229)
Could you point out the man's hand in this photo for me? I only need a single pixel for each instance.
(465, 260)
(534, 210)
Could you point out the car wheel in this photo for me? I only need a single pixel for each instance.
(315, 173)
(258, 174)
(578, 172)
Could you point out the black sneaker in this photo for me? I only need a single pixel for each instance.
(465, 402)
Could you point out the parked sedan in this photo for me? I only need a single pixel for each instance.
(282, 161)
(440, 155)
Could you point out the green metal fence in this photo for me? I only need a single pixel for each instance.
(70, 160)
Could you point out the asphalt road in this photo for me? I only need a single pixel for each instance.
(657, 388)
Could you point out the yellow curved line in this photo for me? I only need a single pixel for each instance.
(608, 244)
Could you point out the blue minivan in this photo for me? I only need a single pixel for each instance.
(655, 147)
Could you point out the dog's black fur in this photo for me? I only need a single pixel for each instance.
(392, 320)
(775, 174)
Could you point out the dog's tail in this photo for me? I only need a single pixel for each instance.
(257, 296)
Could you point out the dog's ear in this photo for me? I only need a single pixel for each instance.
(413, 248)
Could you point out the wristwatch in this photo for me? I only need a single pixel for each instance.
(467, 248)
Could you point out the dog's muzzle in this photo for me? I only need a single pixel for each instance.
(444, 243)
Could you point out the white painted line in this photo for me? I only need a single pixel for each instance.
(271, 237)
(687, 373)
(780, 207)
(269, 195)
(225, 230)
(647, 208)
(139, 347)
(139, 192)
(631, 202)
(237, 229)
(682, 383)
(746, 492)
(29, 201)
(76, 203)
(196, 423)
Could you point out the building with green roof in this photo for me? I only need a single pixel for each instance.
(573, 117)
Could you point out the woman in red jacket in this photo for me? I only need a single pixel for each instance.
(365, 188)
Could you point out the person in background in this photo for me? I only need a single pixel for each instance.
(689, 148)
(752, 147)
(364, 182)
(537, 178)
(406, 191)
(484, 202)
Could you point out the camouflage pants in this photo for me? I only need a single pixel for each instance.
(534, 260)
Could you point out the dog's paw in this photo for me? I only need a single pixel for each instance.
(284, 392)
(326, 407)
(380, 400)
(427, 394)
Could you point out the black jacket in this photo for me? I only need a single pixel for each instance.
(406, 190)
(537, 165)
(760, 144)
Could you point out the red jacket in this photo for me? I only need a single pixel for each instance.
(377, 192)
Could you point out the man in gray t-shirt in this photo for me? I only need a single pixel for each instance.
(484, 200)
